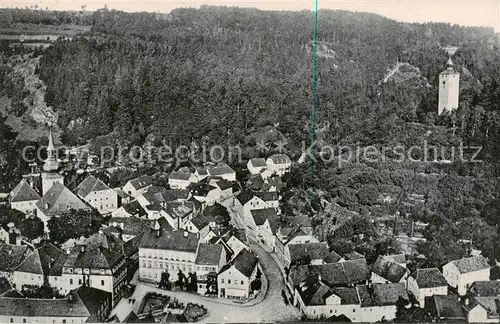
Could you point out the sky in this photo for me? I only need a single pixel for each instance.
(462, 12)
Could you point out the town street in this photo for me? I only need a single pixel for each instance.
(271, 308)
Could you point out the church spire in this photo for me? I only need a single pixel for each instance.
(51, 164)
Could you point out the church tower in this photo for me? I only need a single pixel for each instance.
(50, 175)
(449, 86)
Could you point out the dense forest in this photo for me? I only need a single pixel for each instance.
(222, 74)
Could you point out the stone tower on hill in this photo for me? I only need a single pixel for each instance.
(449, 87)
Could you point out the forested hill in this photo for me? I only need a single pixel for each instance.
(223, 72)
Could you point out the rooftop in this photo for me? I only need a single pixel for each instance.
(89, 185)
(59, 200)
(429, 278)
(141, 182)
(471, 264)
(32, 307)
(23, 192)
(165, 240)
(209, 254)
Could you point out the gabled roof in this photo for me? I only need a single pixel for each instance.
(280, 159)
(209, 254)
(490, 304)
(134, 208)
(398, 258)
(340, 274)
(471, 264)
(92, 298)
(448, 307)
(92, 257)
(131, 247)
(261, 215)
(121, 193)
(12, 256)
(224, 184)
(245, 196)
(178, 175)
(135, 226)
(164, 240)
(353, 255)
(255, 182)
(314, 293)
(59, 200)
(311, 251)
(381, 294)
(200, 189)
(23, 192)
(388, 270)
(173, 195)
(141, 182)
(267, 195)
(485, 288)
(429, 278)
(41, 260)
(89, 185)
(245, 262)
(258, 162)
(33, 307)
(220, 169)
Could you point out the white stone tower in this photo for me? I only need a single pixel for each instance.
(50, 175)
(449, 87)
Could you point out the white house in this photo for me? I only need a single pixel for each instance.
(35, 269)
(33, 310)
(244, 203)
(57, 201)
(482, 309)
(234, 279)
(10, 234)
(262, 226)
(462, 273)
(138, 185)
(98, 195)
(210, 258)
(180, 180)
(426, 283)
(359, 304)
(205, 193)
(288, 236)
(236, 240)
(279, 164)
(11, 256)
(165, 251)
(23, 198)
(95, 266)
(222, 170)
(254, 166)
(132, 209)
(225, 188)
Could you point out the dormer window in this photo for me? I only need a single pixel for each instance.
(102, 271)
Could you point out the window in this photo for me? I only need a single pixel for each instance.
(79, 281)
(64, 321)
(229, 281)
(11, 320)
(222, 281)
(242, 282)
(70, 281)
(102, 282)
(24, 320)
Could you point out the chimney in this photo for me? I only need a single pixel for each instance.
(82, 248)
(186, 233)
(158, 232)
(466, 301)
(319, 276)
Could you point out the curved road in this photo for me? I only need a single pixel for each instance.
(271, 308)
